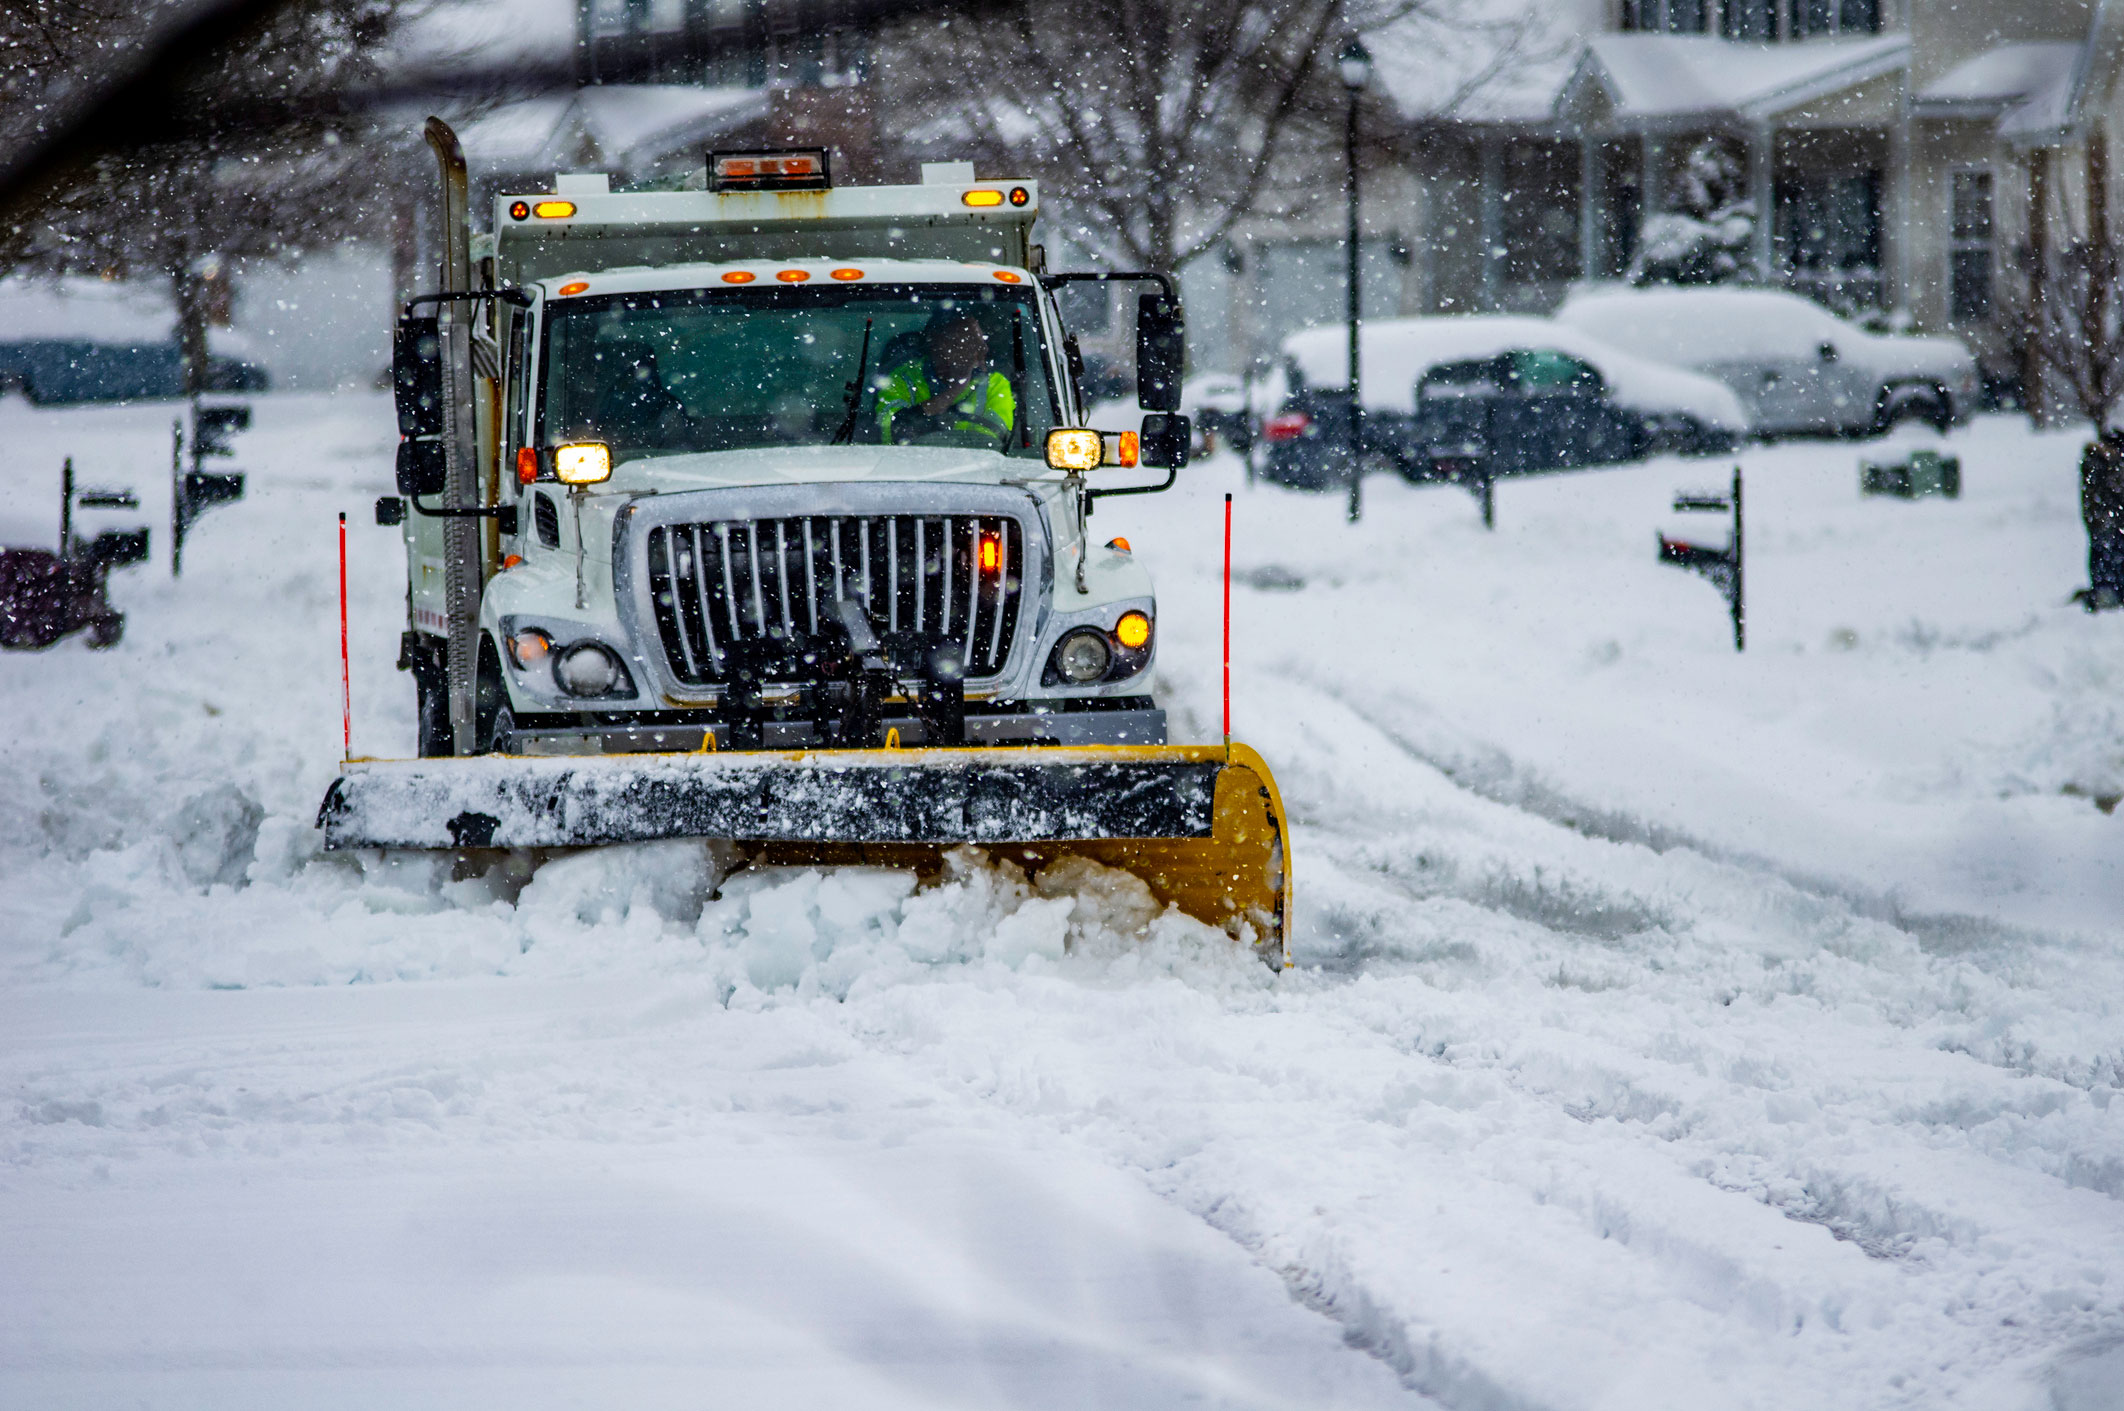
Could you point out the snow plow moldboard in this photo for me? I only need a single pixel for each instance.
(1201, 825)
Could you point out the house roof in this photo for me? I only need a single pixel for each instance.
(617, 126)
(1650, 76)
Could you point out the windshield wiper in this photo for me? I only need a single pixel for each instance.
(855, 391)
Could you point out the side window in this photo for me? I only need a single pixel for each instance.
(516, 422)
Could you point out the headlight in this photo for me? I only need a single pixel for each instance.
(585, 463)
(588, 669)
(1083, 656)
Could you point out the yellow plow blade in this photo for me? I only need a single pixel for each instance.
(1202, 825)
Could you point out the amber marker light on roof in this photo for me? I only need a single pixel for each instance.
(573, 286)
(848, 274)
(983, 198)
(792, 276)
(1008, 278)
(519, 210)
(739, 276)
(553, 210)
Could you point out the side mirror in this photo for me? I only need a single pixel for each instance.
(421, 468)
(1827, 352)
(417, 376)
(1164, 442)
(1161, 353)
(390, 511)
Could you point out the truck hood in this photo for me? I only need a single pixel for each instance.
(810, 465)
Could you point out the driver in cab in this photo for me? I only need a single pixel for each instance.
(949, 394)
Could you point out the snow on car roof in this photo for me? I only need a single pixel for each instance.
(1703, 326)
(696, 276)
(1397, 351)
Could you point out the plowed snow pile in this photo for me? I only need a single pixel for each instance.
(1672, 1028)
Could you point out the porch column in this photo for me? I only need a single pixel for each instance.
(1588, 207)
(1491, 194)
(1762, 159)
(1652, 175)
(1895, 221)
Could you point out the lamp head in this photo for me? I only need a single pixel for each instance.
(1355, 62)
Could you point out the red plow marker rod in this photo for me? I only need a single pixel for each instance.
(346, 695)
(1227, 620)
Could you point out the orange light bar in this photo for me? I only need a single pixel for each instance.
(739, 276)
(553, 210)
(792, 276)
(807, 169)
(1008, 278)
(848, 274)
(983, 198)
(526, 465)
(573, 286)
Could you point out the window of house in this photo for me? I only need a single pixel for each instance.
(1829, 223)
(1811, 17)
(1749, 19)
(1540, 211)
(1969, 247)
(1665, 16)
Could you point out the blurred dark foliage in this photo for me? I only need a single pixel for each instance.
(249, 154)
(1154, 126)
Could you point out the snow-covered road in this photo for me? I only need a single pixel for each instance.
(1673, 1028)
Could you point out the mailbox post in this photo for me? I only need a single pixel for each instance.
(195, 491)
(1724, 567)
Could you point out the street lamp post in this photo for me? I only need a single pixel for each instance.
(1355, 63)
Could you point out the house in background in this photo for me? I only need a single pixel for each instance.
(1890, 148)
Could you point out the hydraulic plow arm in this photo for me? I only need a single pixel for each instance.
(1203, 826)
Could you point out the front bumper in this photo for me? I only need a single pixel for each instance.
(1144, 726)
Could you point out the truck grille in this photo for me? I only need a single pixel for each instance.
(927, 581)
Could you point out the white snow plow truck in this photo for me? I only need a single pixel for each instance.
(760, 513)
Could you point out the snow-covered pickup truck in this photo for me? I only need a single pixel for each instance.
(1798, 368)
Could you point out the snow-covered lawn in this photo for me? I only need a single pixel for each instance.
(1674, 1028)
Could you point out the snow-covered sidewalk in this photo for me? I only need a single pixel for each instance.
(1673, 1028)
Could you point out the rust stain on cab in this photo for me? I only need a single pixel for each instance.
(775, 205)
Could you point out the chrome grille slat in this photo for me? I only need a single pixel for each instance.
(811, 576)
(709, 590)
(700, 585)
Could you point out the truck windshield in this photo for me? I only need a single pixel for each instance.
(717, 370)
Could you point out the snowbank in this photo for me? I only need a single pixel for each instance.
(1673, 1027)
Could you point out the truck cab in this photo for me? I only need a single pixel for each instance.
(772, 466)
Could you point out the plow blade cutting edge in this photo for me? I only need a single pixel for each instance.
(1202, 825)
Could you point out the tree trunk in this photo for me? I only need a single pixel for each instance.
(189, 290)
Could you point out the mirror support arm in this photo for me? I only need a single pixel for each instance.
(1172, 475)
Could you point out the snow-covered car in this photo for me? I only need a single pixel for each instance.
(1797, 367)
(1654, 406)
(1216, 404)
